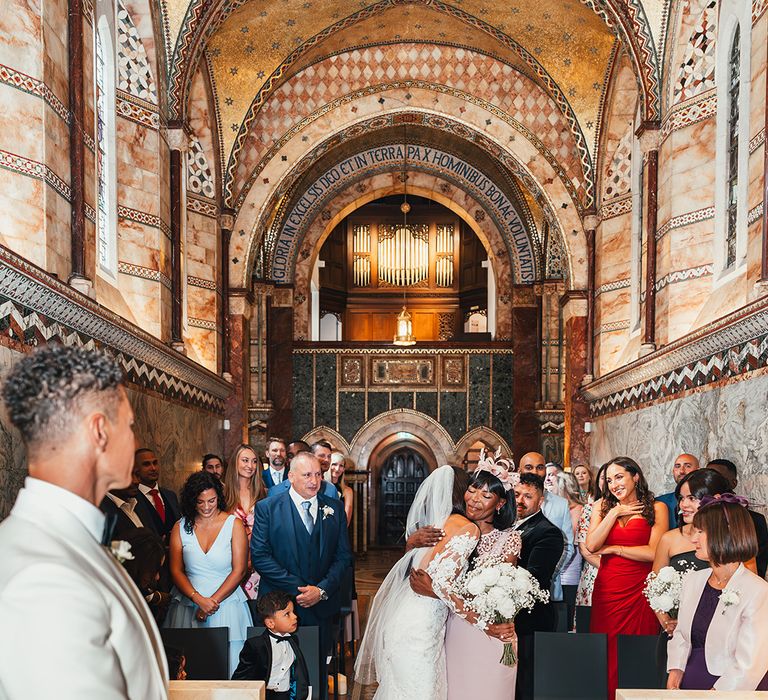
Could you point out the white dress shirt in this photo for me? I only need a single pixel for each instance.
(277, 475)
(282, 660)
(87, 513)
(128, 507)
(298, 500)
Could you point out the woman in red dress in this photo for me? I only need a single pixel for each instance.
(626, 527)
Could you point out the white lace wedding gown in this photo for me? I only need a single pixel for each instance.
(410, 649)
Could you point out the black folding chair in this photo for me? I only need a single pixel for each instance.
(206, 650)
(583, 615)
(574, 653)
(309, 642)
(637, 662)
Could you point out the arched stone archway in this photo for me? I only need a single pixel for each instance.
(485, 435)
(323, 432)
(401, 420)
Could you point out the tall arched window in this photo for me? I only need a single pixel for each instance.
(104, 115)
(734, 74)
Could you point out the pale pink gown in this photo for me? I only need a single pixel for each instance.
(472, 657)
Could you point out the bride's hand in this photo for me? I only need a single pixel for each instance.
(504, 631)
(421, 583)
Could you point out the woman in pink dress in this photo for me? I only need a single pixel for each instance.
(242, 489)
(626, 526)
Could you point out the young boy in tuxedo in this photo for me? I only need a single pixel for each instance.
(275, 656)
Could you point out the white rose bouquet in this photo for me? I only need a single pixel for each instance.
(497, 593)
(663, 589)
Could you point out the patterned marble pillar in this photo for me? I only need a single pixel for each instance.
(178, 140)
(649, 136)
(575, 326)
(236, 411)
(590, 226)
(226, 224)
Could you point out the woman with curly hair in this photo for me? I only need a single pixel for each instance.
(209, 552)
(626, 526)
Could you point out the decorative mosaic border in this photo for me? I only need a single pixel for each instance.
(38, 171)
(201, 206)
(33, 86)
(613, 286)
(685, 220)
(690, 273)
(688, 113)
(755, 214)
(199, 282)
(756, 141)
(140, 217)
(136, 110)
(726, 349)
(201, 323)
(616, 207)
(758, 8)
(36, 308)
(389, 350)
(145, 273)
(612, 327)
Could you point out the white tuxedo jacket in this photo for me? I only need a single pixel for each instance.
(736, 648)
(73, 626)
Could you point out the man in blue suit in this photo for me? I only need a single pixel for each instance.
(322, 451)
(299, 545)
(275, 472)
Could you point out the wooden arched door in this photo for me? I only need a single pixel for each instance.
(401, 474)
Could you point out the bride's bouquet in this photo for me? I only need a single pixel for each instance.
(497, 593)
(663, 590)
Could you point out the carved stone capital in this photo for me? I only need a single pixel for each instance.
(649, 139)
(573, 307)
(227, 221)
(178, 139)
(591, 221)
(239, 305)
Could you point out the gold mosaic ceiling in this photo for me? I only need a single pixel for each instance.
(567, 38)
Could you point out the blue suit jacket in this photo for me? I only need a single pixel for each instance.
(266, 477)
(277, 556)
(327, 489)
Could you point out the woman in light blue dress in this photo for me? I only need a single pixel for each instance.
(209, 554)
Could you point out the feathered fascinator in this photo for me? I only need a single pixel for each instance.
(503, 469)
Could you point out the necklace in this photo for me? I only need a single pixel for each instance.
(722, 582)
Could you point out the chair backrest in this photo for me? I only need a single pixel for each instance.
(309, 642)
(583, 615)
(347, 588)
(206, 650)
(572, 653)
(639, 665)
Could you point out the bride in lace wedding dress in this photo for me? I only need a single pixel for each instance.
(403, 649)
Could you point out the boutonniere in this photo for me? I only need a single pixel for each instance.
(121, 550)
(327, 511)
(729, 598)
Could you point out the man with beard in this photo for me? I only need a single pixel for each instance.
(275, 472)
(322, 451)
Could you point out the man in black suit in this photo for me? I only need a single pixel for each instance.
(543, 545)
(130, 509)
(164, 502)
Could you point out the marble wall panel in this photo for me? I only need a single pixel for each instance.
(426, 402)
(480, 390)
(453, 413)
(402, 399)
(21, 201)
(378, 402)
(20, 37)
(503, 396)
(325, 390)
(302, 398)
(200, 346)
(351, 413)
(728, 422)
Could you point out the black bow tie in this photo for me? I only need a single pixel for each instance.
(110, 520)
(277, 638)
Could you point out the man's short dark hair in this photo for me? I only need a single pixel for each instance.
(320, 443)
(531, 479)
(730, 466)
(272, 603)
(210, 456)
(45, 392)
(276, 439)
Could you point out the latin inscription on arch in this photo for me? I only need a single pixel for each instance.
(339, 175)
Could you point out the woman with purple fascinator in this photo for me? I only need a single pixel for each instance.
(721, 639)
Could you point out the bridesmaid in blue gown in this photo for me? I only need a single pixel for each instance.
(209, 553)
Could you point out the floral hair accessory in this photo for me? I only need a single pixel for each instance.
(723, 498)
(503, 469)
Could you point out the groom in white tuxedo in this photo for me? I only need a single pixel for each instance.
(74, 625)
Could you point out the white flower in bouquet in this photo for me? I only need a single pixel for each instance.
(490, 576)
(664, 589)
(667, 574)
(476, 586)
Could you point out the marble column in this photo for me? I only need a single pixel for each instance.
(591, 222)
(178, 140)
(280, 362)
(526, 369)
(226, 224)
(78, 278)
(236, 411)
(649, 145)
(575, 330)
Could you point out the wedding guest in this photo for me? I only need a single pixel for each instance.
(243, 488)
(144, 568)
(550, 477)
(276, 470)
(73, 624)
(213, 464)
(275, 656)
(321, 450)
(209, 552)
(721, 639)
(684, 465)
(125, 506)
(627, 524)
(165, 505)
(567, 487)
(293, 449)
(728, 470)
(586, 480)
(336, 476)
(591, 561)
